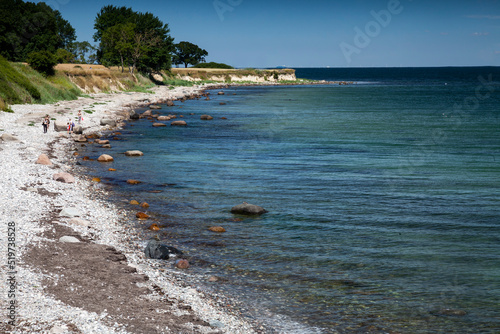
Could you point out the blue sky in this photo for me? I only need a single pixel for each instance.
(315, 33)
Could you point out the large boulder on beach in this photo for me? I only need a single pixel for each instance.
(108, 122)
(80, 139)
(178, 123)
(60, 126)
(155, 249)
(70, 212)
(79, 222)
(43, 159)
(64, 177)
(147, 113)
(8, 137)
(68, 239)
(134, 116)
(170, 103)
(248, 209)
(78, 129)
(105, 158)
(134, 153)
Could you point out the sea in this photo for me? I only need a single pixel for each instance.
(383, 197)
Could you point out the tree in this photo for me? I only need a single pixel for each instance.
(145, 55)
(118, 40)
(26, 27)
(188, 53)
(42, 61)
(143, 43)
(84, 52)
(64, 56)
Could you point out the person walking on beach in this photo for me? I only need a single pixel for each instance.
(80, 119)
(45, 123)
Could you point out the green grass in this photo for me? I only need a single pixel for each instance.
(19, 83)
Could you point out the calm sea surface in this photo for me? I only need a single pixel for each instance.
(383, 197)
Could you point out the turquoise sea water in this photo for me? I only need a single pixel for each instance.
(383, 196)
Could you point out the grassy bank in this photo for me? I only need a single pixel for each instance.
(19, 83)
(100, 79)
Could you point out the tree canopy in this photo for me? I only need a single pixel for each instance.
(188, 53)
(139, 40)
(26, 27)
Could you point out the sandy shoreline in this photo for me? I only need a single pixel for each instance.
(85, 287)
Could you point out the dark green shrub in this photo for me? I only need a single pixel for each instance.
(213, 65)
(43, 62)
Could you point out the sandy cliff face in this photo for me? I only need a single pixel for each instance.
(257, 76)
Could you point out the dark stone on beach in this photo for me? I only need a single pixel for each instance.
(155, 249)
(170, 103)
(222, 103)
(248, 209)
(134, 116)
(206, 117)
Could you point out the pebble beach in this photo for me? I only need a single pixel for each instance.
(68, 262)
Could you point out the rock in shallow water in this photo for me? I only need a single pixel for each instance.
(142, 215)
(155, 249)
(218, 229)
(134, 153)
(178, 123)
(248, 209)
(105, 158)
(182, 264)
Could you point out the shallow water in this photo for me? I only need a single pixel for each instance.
(383, 197)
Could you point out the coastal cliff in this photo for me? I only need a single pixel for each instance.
(234, 75)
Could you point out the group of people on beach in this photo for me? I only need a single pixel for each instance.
(70, 124)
